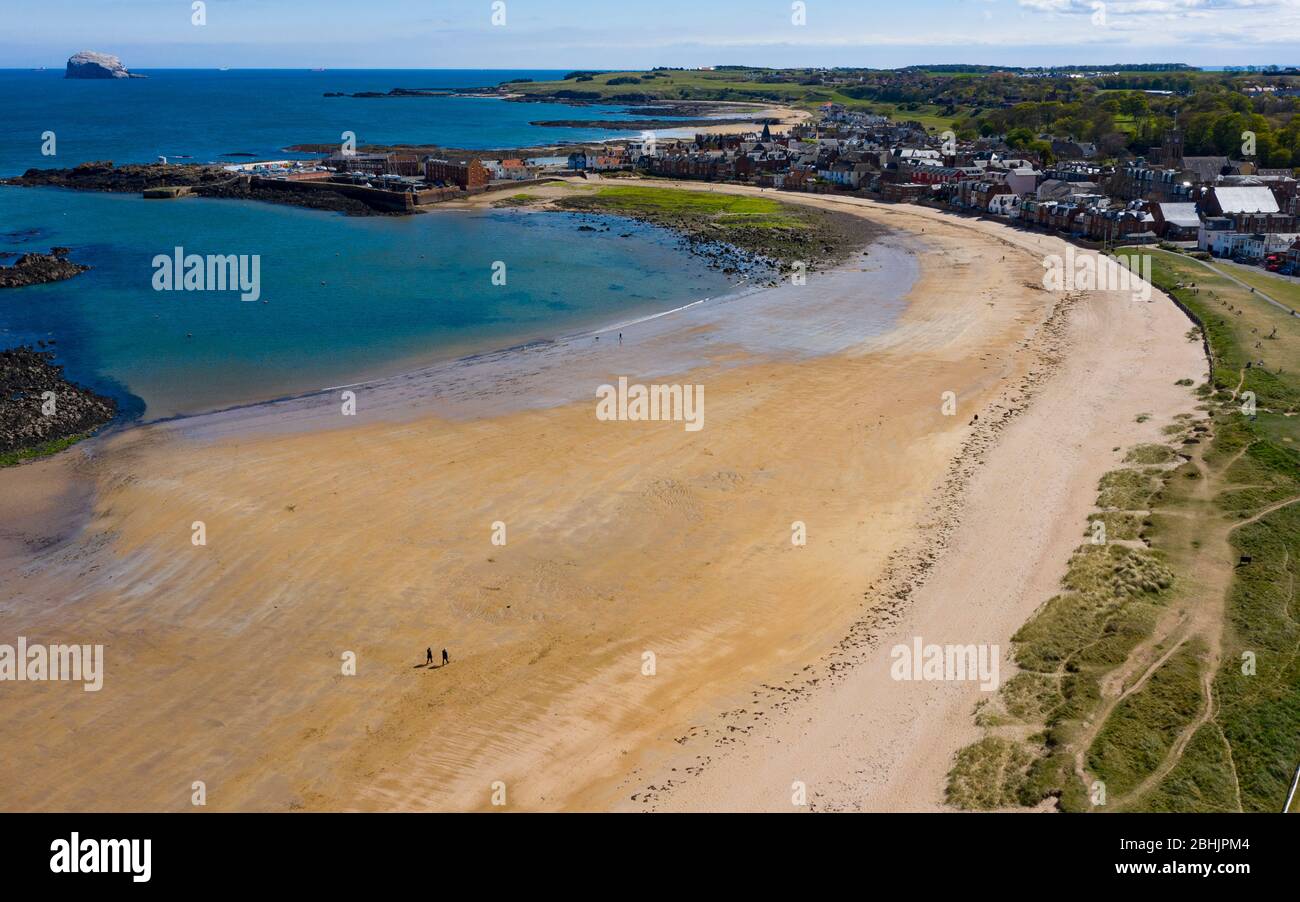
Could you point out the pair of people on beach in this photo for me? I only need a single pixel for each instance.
(428, 656)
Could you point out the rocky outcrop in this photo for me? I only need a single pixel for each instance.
(102, 175)
(29, 417)
(204, 181)
(37, 269)
(89, 64)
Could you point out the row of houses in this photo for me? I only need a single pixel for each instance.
(1228, 208)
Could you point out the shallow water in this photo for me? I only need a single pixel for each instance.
(341, 297)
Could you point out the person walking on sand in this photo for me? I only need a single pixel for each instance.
(428, 656)
(445, 660)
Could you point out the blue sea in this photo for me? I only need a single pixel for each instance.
(202, 114)
(342, 297)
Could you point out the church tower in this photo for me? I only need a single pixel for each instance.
(1173, 149)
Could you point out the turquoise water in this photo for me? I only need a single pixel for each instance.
(202, 114)
(346, 297)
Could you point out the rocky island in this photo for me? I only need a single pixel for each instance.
(37, 269)
(91, 64)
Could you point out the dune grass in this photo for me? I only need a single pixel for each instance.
(1238, 499)
(1142, 729)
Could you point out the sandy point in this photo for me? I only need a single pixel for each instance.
(648, 588)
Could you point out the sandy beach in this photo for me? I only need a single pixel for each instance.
(787, 116)
(648, 636)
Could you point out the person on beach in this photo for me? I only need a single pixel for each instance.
(620, 338)
(445, 660)
(428, 656)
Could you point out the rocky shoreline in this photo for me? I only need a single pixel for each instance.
(42, 411)
(38, 269)
(202, 180)
(759, 255)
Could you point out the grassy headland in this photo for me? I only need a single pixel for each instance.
(787, 87)
(758, 227)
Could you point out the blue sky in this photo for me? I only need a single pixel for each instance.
(630, 34)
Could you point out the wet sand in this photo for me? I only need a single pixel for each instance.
(373, 535)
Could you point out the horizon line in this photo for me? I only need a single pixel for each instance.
(605, 69)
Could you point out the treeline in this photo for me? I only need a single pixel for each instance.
(1216, 118)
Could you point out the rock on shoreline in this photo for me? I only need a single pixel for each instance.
(25, 376)
(92, 64)
(102, 175)
(37, 269)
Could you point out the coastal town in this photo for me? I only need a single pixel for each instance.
(1217, 205)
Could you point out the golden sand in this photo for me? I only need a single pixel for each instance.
(225, 662)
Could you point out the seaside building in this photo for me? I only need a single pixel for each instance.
(372, 163)
(1176, 221)
(464, 174)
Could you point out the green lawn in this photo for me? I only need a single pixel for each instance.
(1278, 288)
(646, 200)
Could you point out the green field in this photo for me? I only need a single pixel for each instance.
(745, 85)
(731, 209)
(1278, 288)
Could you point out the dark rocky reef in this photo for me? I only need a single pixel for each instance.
(37, 269)
(28, 417)
(205, 181)
(395, 92)
(102, 175)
